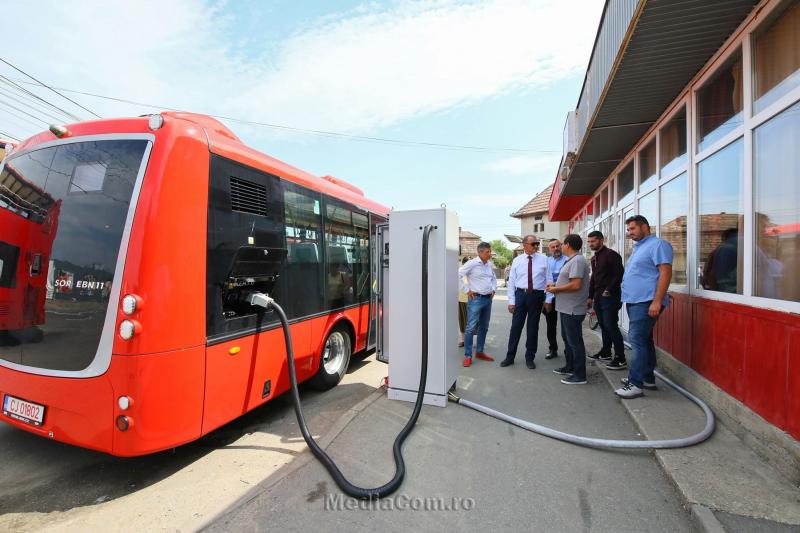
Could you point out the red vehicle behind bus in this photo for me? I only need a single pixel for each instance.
(127, 250)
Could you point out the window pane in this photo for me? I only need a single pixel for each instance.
(625, 185)
(339, 243)
(776, 166)
(647, 208)
(604, 201)
(673, 144)
(776, 56)
(719, 104)
(304, 251)
(628, 242)
(647, 166)
(721, 216)
(674, 208)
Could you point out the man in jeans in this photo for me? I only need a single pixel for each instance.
(571, 290)
(644, 291)
(604, 296)
(481, 285)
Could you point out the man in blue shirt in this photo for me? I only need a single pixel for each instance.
(555, 261)
(644, 292)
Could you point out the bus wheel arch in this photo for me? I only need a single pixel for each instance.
(335, 353)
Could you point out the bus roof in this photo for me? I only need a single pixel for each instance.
(222, 141)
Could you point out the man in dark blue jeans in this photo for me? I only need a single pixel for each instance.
(605, 294)
(481, 285)
(644, 291)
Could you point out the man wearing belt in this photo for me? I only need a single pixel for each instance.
(644, 292)
(556, 261)
(481, 285)
(529, 275)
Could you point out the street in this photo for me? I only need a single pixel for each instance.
(255, 474)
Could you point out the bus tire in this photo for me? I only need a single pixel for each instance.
(334, 360)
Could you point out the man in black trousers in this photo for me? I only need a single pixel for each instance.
(529, 275)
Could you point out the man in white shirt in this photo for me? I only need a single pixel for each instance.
(481, 285)
(530, 274)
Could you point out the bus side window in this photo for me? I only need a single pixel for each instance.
(245, 208)
(303, 274)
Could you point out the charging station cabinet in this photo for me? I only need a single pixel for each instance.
(402, 304)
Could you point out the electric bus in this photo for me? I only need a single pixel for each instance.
(128, 250)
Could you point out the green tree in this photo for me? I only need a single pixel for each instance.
(503, 254)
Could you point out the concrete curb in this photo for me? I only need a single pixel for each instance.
(302, 460)
(703, 516)
(705, 519)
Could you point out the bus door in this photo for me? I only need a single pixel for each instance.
(379, 242)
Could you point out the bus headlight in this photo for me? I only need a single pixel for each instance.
(130, 303)
(124, 402)
(155, 122)
(129, 328)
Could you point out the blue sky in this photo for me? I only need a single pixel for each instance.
(495, 73)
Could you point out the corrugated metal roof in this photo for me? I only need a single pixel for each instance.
(670, 42)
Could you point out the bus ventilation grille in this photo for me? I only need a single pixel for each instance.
(248, 197)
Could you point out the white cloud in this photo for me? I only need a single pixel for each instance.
(374, 66)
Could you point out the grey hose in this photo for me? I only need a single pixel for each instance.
(604, 443)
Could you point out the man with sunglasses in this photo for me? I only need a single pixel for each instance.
(530, 273)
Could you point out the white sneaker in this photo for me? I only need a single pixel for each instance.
(645, 384)
(629, 392)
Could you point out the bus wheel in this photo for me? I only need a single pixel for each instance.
(333, 361)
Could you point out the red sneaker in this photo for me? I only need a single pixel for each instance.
(468, 361)
(484, 356)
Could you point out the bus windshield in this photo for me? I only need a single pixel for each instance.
(62, 215)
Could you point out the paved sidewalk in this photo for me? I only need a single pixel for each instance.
(513, 479)
(518, 480)
(727, 486)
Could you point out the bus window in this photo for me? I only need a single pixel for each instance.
(245, 208)
(61, 216)
(304, 251)
(8, 264)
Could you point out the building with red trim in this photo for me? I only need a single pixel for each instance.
(690, 115)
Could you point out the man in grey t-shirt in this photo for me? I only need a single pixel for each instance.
(572, 288)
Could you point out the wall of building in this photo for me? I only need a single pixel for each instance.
(551, 230)
(718, 176)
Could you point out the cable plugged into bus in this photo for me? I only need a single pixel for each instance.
(266, 302)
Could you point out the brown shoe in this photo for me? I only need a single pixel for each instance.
(484, 357)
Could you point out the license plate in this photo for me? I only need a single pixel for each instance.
(28, 412)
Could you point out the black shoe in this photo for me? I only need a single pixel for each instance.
(617, 364)
(573, 380)
(552, 354)
(530, 364)
(599, 356)
(563, 371)
(506, 362)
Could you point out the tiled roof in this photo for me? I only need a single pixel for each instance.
(464, 234)
(537, 204)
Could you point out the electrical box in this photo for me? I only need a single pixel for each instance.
(402, 304)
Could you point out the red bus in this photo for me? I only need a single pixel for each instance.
(127, 249)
